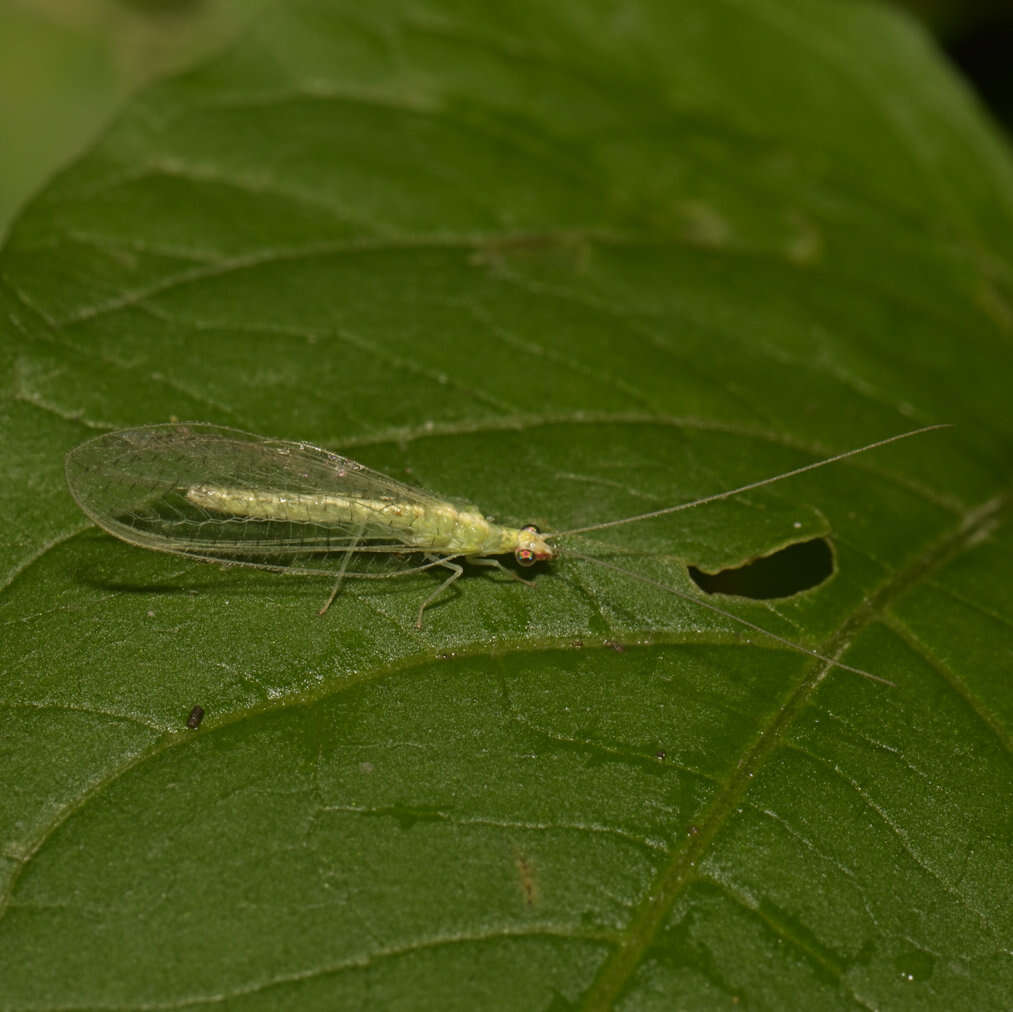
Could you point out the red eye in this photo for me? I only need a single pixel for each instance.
(525, 556)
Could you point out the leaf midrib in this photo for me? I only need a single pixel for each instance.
(660, 896)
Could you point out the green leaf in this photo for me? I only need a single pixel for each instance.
(573, 263)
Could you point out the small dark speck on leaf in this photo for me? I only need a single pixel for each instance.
(527, 879)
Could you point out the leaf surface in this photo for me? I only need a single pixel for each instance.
(571, 263)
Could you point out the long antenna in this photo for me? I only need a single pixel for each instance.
(745, 488)
(632, 574)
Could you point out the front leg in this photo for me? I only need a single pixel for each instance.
(487, 560)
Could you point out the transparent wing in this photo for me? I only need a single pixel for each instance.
(138, 484)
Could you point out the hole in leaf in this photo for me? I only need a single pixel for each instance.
(791, 570)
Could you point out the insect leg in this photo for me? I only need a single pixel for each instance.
(353, 544)
(456, 571)
(496, 564)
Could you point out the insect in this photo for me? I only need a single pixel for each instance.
(224, 495)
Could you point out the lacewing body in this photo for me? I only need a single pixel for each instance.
(224, 495)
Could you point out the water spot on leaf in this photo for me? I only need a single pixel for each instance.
(915, 965)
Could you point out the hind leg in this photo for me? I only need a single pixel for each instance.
(344, 567)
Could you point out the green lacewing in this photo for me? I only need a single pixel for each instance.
(223, 495)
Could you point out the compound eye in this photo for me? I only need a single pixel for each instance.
(530, 528)
(525, 556)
